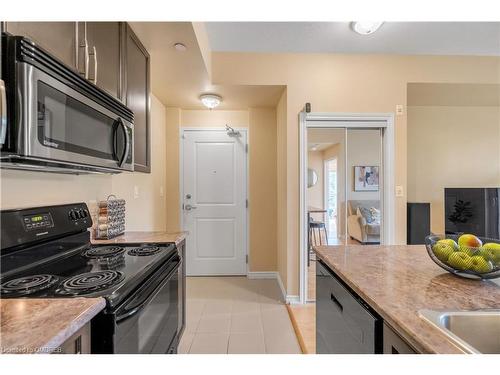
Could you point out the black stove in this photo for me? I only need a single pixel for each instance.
(57, 260)
(111, 272)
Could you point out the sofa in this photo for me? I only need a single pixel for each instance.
(360, 225)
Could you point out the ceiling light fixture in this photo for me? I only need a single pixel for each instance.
(179, 47)
(365, 28)
(210, 100)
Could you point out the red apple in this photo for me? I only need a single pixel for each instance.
(469, 243)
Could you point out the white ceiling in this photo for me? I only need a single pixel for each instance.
(178, 78)
(419, 38)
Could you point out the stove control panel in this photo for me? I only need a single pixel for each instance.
(38, 221)
(77, 214)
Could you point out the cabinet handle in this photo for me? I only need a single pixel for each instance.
(336, 302)
(85, 45)
(94, 54)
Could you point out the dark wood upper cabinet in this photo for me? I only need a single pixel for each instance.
(58, 38)
(105, 55)
(137, 67)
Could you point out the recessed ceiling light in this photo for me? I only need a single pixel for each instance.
(210, 100)
(365, 28)
(180, 47)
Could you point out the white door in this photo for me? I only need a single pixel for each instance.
(214, 202)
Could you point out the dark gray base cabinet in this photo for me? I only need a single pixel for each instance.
(346, 324)
(78, 343)
(394, 344)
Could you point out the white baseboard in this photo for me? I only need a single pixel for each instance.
(271, 275)
(292, 300)
(280, 283)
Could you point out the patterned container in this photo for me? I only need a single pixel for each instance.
(110, 218)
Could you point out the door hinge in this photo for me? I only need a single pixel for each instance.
(246, 203)
(246, 258)
(246, 148)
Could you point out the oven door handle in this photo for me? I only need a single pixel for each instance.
(3, 113)
(126, 311)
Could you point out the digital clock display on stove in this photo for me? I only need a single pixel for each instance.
(38, 221)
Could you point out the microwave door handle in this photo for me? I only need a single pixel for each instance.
(127, 145)
(3, 112)
(130, 313)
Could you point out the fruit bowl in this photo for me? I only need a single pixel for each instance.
(465, 255)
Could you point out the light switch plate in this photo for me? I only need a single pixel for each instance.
(399, 109)
(399, 191)
(161, 191)
(136, 192)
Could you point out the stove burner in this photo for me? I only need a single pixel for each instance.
(103, 252)
(24, 286)
(144, 251)
(90, 282)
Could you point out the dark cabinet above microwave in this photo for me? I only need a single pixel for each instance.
(58, 38)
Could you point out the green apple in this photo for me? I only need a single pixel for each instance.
(460, 261)
(470, 251)
(443, 249)
(449, 242)
(491, 251)
(480, 265)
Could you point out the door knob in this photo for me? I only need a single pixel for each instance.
(189, 207)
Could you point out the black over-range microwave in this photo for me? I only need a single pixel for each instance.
(54, 120)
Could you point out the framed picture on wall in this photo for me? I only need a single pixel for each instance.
(366, 178)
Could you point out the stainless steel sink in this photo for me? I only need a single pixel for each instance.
(473, 331)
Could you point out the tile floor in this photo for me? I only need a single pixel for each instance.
(236, 315)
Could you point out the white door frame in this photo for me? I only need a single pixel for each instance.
(247, 174)
(353, 121)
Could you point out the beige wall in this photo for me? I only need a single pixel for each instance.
(363, 149)
(341, 83)
(147, 212)
(315, 194)
(451, 146)
(281, 166)
(261, 123)
(263, 189)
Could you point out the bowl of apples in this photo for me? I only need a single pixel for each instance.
(465, 255)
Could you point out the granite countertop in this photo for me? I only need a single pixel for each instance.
(145, 237)
(32, 325)
(397, 281)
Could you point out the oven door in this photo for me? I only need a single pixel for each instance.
(148, 321)
(62, 124)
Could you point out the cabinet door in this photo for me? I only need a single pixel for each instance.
(79, 343)
(104, 44)
(58, 38)
(138, 98)
(343, 324)
(394, 344)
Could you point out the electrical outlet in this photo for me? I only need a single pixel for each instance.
(399, 109)
(136, 192)
(399, 191)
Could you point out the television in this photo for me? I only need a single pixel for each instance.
(472, 210)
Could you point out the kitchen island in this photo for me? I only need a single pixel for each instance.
(396, 282)
(39, 325)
